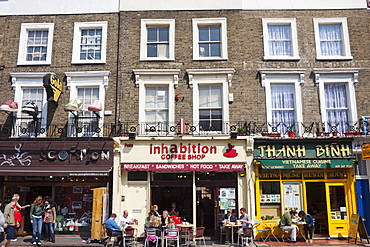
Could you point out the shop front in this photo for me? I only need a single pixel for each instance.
(203, 177)
(67, 171)
(316, 176)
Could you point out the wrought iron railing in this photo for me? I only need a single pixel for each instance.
(251, 128)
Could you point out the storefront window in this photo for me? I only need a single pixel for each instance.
(337, 203)
(137, 176)
(171, 176)
(270, 200)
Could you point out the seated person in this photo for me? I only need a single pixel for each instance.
(227, 218)
(286, 224)
(308, 227)
(165, 216)
(149, 220)
(126, 218)
(244, 219)
(116, 230)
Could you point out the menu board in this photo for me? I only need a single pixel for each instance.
(292, 196)
(227, 198)
(270, 198)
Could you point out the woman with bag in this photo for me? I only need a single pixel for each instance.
(36, 220)
(49, 219)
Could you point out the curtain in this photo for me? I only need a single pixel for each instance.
(336, 105)
(330, 40)
(283, 106)
(279, 40)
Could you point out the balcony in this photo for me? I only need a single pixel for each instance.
(252, 128)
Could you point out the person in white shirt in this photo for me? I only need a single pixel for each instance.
(125, 218)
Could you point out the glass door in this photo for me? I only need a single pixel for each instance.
(337, 209)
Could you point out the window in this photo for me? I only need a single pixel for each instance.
(87, 87)
(156, 109)
(210, 98)
(337, 99)
(28, 87)
(209, 39)
(331, 37)
(157, 39)
(89, 42)
(280, 39)
(283, 99)
(35, 43)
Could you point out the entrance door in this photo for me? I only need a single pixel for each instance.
(337, 210)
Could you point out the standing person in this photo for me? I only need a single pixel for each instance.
(2, 222)
(36, 220)
(10, 224)
(155, 210)
(17, 212)
(225, 219)
(244, 219)
(286, 224)
(125, 218)
(308, 227)
(49, 219)
(173, 210)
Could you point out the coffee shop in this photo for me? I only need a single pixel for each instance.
(316, 176)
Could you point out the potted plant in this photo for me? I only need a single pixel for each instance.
(241, 131)
(291, 133)
(125, 133)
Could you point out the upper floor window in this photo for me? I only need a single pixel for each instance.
(283, 100)
(35, 43)
(210, 98)
(157, 39)
(89, 42)
(337, 99)
(331, 37)
(209, 39)
(88, 93)
(30, 94)
(156, 109)
(280, 39)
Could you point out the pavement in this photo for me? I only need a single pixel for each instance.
(83, 241)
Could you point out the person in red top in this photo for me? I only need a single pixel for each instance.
(17, 211)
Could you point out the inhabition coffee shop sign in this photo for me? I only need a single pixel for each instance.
(309, 155)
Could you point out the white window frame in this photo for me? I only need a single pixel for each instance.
(89, 79)
(223, 77)
(144, 37)
(266, 22)
(210, 21)
(284, 76)
(157, 77)
(22, 81)
(337, 76)
(22, 52)
(345, 45)
(78, 26)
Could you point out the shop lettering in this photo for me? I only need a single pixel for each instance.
(300, 164)
(182, 149)
(332, 150)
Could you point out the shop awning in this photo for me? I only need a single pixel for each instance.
(56, 171)
(225, 167)
(305, 163)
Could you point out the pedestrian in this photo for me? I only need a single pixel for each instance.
(286, 224)
(308, 227)
(10, 224)
(49, 219)
(17, 212)
(36, 220)
(2, 222)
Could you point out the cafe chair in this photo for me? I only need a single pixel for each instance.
(247, 236)
(152, 236)
(112, 239)
(222, 233)
(199, 235)
(285, 235)
(172, 235)
(184, 233)
(130, 236)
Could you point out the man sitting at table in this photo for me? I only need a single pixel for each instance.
(225, 219)
(125, 218)
(116, 230)
(286, 224)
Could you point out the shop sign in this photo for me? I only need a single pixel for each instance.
(53, 87)
(366, 151)
(184, 167)
(307, 164)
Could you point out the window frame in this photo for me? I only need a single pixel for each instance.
(78, 27)
(345, 37)
(337, 76)
(295, 77)
(22, 52)
(266, 22)
(144, 37)
(90, 79)
(22, 81)
(207, 22)
(221, 77)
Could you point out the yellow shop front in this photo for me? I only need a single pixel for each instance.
(316, 176)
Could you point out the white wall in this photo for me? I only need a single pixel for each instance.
(41, 7)
(239, 4)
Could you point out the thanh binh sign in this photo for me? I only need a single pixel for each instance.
(296, 155)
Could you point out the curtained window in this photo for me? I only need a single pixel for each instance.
(279, 40)
(283, 106)
(330, 40)
(336, 105)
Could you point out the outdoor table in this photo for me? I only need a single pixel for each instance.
(232, 225)
(190, 226)
(300, 225)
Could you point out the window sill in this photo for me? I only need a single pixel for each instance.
(34, 63)
(282, 58)
(335, 58)
(210, 58)
(156, 59)
(88, 62)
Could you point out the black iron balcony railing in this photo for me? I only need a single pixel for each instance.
(252, 128)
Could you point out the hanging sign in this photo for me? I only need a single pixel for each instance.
(365, 151)
(53, 87)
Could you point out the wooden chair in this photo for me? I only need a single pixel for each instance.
(246, 236)
(112, 238)
(130, 236)
(199, 235)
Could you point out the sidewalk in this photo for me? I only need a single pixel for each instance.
(78, 241)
